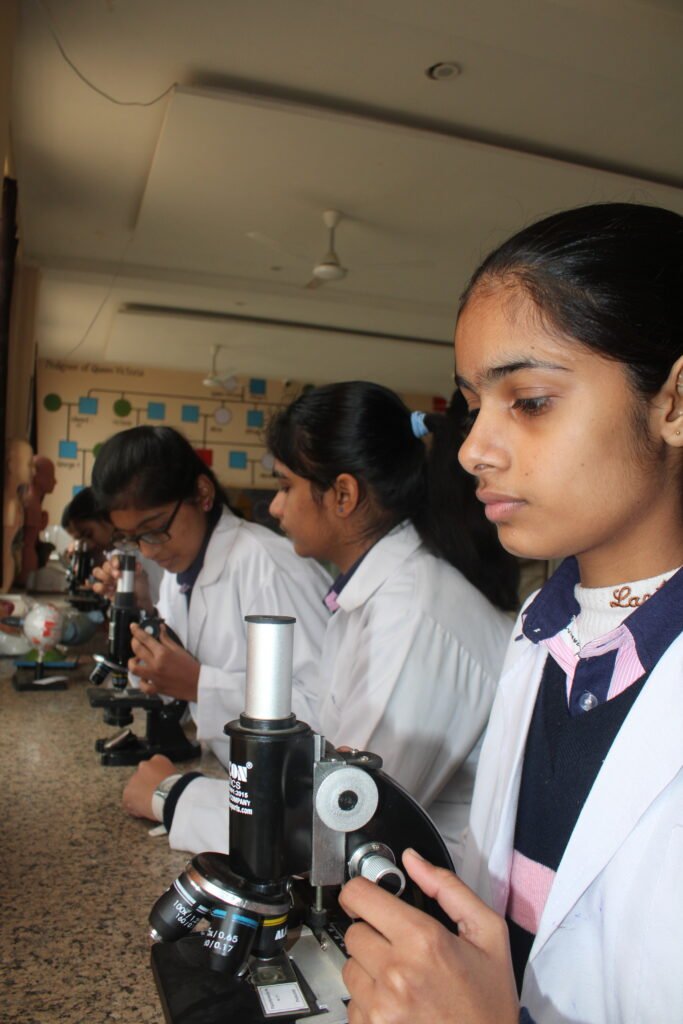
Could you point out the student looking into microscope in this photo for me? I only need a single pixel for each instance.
(161, 497)
(85, 521)
(415, 635)
(569, 352)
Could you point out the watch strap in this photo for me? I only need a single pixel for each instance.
(160, 793)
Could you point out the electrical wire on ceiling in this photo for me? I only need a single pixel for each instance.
(107, 295)
(120, 103)
(91, 85)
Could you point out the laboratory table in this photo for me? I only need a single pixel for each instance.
(78, 874)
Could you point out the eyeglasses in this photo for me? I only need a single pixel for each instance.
(153, 538)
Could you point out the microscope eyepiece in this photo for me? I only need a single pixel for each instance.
(127, 561)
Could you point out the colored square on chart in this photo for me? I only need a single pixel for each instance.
(257, 386)
(237, 460)
(68, 449)
(156, 410)
(254, 418)
(190, 414)
(206, 455)
(87, 406)
(76, 488)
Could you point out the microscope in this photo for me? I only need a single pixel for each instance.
(164, 732)
(78, 573)
(258, 933)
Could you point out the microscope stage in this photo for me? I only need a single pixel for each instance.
(192, 993)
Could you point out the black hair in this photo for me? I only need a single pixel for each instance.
(608, 275)
(364, 429)
(457, 528)
(82, 506)
(148, 466)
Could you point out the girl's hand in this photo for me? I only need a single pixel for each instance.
(107, 576)
(137, 796)
(163, 665)
(406, 968)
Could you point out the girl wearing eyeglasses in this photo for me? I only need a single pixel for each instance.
(162, 498)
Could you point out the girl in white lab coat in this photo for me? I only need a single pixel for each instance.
(416, 634)
(217, 569)
(569, 352)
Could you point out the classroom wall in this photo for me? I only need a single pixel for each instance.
(8, 29)
(80, 405)
(22, 350)
(22, 342)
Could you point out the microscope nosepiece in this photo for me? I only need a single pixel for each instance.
(177, 911)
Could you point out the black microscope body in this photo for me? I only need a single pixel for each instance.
(78, 576)
(164, 733)
(304, 818)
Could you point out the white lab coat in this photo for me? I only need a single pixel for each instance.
(408, 670)
(154, 573)
(412, 659)
(608, 948)
(248, 570)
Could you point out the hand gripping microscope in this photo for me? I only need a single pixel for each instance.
(164, 733)
(304, 818)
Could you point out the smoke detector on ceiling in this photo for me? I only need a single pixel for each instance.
(445, 69)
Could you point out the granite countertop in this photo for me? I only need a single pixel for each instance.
(79, 875)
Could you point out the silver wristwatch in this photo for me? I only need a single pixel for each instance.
(160, 793)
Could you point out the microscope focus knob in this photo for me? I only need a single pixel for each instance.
(377, 863)
(347, 799)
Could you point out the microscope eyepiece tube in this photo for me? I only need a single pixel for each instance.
(270, 640)
(125, 587)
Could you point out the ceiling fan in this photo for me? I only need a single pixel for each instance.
(329, 268)
(214, 379)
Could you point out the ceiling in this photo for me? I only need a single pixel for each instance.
(164, 229)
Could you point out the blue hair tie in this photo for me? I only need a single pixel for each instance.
(418, 425)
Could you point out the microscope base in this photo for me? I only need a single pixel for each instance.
(192, 993)
(127, 749)
(164, 733)
(24, 680)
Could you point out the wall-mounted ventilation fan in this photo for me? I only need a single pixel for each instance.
(217, 379)
(329, 268)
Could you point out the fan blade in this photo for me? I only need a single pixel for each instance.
(271, 243)
(408, 264)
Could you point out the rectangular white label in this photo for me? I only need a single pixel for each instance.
(282, 998)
